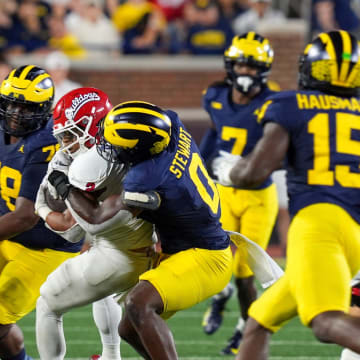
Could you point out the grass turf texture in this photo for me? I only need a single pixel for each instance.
(293, 342)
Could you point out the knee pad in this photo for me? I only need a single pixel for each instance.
(42, 308)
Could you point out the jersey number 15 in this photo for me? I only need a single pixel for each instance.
(321, 174)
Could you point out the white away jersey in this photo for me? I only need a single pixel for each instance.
(90, 172)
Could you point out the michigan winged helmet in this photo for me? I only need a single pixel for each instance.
(26, 97)
(253, 50)
(331, 63)
(134, 131)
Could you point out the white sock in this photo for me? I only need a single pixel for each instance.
(107, 315)
(50, 338)
(347, 354)
(225, 292)
(240, 325)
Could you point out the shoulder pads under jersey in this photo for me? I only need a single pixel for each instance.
(90, 172)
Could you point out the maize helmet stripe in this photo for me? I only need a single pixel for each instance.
(325, 38)
(134, 130)
(142, 111)
(28, 72)
(250, 46)
(251, 36)
(115, 139)
(354, 65)
(346, 55)
(139, 127)
(353, 73)
(17, 72)
(143, 105)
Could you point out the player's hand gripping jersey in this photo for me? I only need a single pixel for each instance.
(188, 195)
(236, 125)
(330, 166)
(23, 165)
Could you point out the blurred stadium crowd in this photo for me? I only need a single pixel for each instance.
(80, 27)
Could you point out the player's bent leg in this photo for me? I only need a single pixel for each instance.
(246, 294)
(255, 342)
(179, 282)
(128, 333)
(19, 290)
(50, 338)
(107, 315)
(335, 327)
(320, 278)
(214, 315)
(64, 289)
(142, 306)
(266, 315)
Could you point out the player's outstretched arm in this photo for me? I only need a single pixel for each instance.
(266, 157)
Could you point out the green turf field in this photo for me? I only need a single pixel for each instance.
(294, 341)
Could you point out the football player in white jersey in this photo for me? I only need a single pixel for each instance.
(75, 125)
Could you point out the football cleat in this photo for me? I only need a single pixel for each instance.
(213, 316)
(95, 357)
(232, 347)
(28, 357)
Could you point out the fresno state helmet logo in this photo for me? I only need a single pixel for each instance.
(78, 102)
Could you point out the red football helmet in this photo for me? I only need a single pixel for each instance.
(76, 118)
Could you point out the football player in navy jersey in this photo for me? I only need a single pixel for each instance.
(316, 131)
(28, 250)
(168, 185)
(233, 106)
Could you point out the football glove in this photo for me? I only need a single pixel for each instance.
(60, 161)
(222, 165)
(60, 182)
(41, 207)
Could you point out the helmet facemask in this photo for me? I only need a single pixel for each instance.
(245, 83)
(73, 134)
(19, 118)
(120, 154)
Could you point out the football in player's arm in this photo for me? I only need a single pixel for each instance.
(76, 117)
(313, 129)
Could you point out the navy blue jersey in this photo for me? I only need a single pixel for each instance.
(324, 152)
(22, 168)
(236, 125)
(189, 213)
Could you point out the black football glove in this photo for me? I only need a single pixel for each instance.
(61, 183)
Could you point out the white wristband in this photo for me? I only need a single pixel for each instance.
(43, 212)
